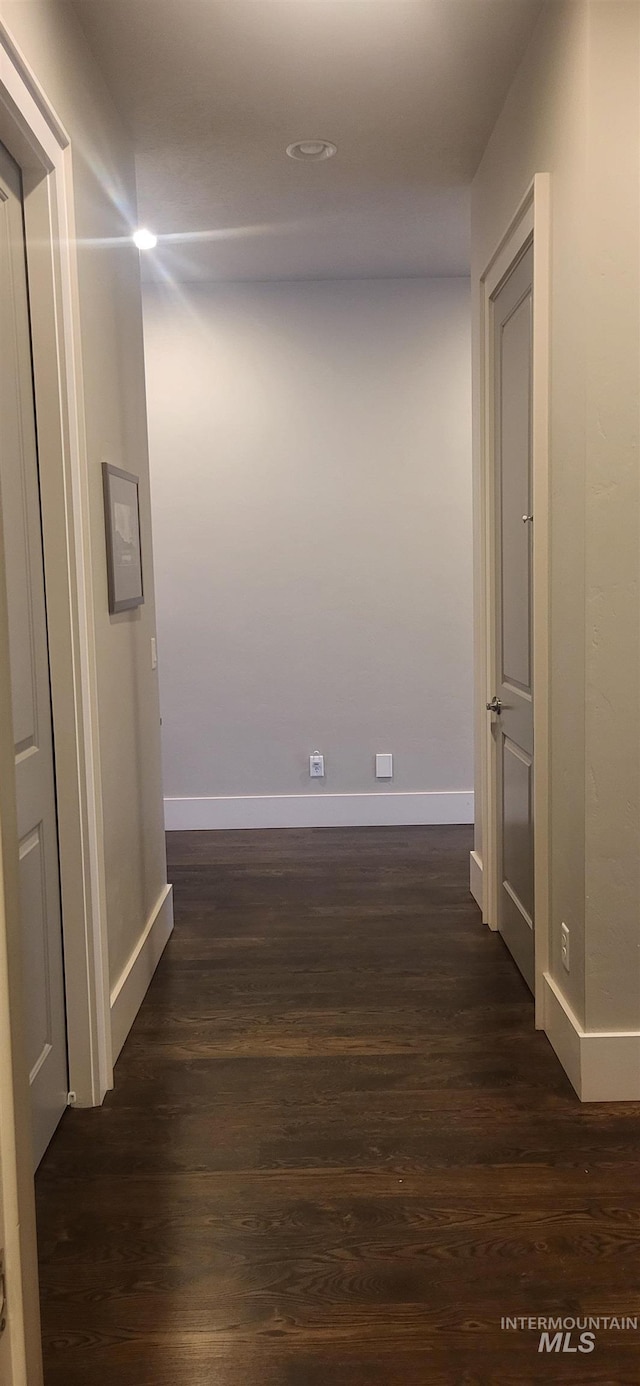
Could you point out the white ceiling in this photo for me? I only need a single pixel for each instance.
(214, 90)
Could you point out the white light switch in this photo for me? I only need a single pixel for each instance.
(384, 765)
(154, 652)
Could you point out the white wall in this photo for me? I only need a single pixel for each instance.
(542, 129)
(572, 112)
(311, 492)
(115, 412)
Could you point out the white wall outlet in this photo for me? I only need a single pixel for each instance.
(384, 765)
(154, 652)
(564, 946)
(316, 765)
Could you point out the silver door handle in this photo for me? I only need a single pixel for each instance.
(527, 519)
(495, 706)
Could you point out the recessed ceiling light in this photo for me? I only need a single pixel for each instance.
(145, 240)
(311, 150)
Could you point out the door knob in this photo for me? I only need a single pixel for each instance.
(495, 706)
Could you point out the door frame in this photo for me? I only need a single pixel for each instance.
(34, 136)
(531, 222)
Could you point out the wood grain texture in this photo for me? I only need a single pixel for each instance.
(337, 1150)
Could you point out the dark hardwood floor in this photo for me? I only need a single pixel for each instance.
(337, 1152)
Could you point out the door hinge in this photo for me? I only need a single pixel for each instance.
(3, 1296)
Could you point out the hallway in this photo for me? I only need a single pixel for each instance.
(337, 1151)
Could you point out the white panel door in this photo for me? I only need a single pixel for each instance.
(512, 309)
(31, 700)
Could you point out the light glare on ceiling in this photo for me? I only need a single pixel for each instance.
(311, 150)
(144, 239)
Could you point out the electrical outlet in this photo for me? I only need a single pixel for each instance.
(564, 946)
(316, 766)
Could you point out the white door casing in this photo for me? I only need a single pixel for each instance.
(35, 138)
(531, 223)
(29, 670)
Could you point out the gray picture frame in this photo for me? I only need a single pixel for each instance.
(122, 529)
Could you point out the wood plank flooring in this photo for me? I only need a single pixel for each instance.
(337, 1152)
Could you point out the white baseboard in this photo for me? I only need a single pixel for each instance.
(476, 882)
(603, 1067)
(319, 810)
(130, 989)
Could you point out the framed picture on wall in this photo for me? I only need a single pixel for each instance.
(124, 557)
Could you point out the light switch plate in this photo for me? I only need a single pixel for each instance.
(384, 765)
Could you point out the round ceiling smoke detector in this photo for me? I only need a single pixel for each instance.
(311, 150)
